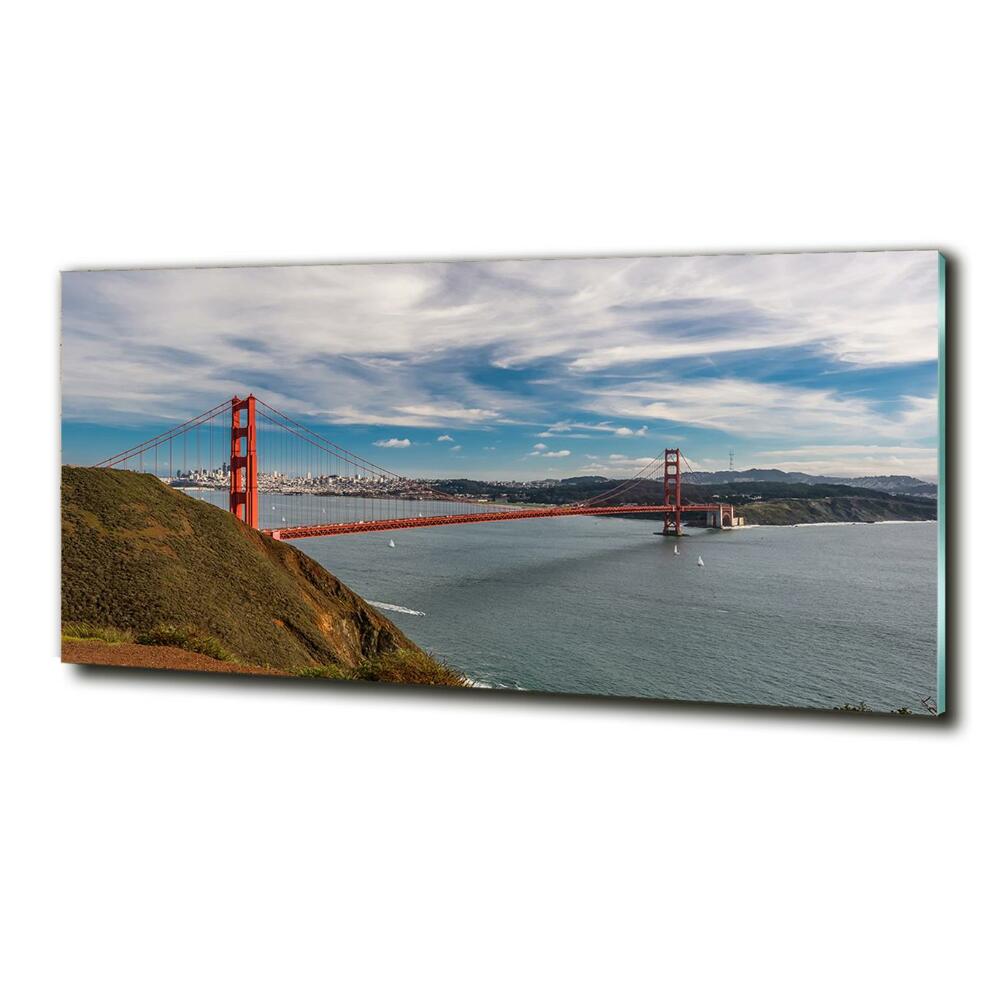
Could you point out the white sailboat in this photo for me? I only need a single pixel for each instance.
(701, 562)
(677, 551)
(392, 544)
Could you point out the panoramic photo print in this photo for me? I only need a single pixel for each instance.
(699, 478)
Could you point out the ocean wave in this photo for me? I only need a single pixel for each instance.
(493, 685)
(396, 607)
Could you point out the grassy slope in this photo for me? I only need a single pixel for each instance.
(140, 557)
(838, 509)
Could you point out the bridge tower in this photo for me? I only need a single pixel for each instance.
(243, 461)
(672, 491)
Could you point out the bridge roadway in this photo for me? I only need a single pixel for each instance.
(522, 513)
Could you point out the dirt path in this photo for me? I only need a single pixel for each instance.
(130, 654)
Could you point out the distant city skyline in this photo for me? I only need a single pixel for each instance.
(527, 370)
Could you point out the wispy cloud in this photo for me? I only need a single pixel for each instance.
(542, 451)
(644, 348)
(568, 429)
(855, 460)
(616, 465)
(389, 323)
(751, 409)
(393, 443)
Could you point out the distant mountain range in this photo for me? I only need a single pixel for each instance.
(905, 485)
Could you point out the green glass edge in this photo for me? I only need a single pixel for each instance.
(942, 489)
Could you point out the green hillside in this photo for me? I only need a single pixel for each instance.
(789, 510)
(829, 509)
(162, 568)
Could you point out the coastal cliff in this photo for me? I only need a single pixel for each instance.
(151, 577)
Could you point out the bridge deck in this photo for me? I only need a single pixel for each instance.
(398, 524)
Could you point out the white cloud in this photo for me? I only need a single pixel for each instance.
(855, 460)
(448, 411)
(383, 345)
(547, 454)
(565, 428)
(367, 337)
(617, 465)
(456, 447)
(755, 409)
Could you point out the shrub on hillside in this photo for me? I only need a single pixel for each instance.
(184, 638)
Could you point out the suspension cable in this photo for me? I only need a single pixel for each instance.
(129, 453)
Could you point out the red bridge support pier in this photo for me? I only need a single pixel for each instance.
(243, 462)
(672, 491)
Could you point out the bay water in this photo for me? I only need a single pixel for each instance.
(812, 616)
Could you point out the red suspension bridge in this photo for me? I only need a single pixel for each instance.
(284, 479)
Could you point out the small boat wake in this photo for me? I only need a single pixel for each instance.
(396, 607)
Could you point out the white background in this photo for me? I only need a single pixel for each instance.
(196, 837)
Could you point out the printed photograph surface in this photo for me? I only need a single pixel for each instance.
(710, 478)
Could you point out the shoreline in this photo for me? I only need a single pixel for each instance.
(829, 524)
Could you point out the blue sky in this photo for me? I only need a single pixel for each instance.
(527, 369)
